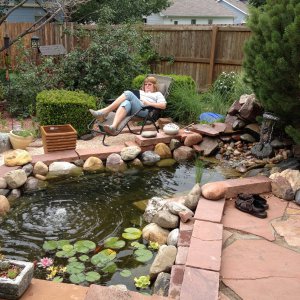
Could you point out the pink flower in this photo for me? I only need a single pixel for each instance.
(45, 262)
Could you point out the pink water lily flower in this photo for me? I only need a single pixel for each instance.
(45, 262)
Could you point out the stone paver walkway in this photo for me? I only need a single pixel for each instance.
(261, 257)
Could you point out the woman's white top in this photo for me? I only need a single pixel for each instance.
(156, 97)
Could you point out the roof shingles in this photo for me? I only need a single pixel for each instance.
(192, 8)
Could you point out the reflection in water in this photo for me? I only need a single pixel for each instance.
(91, 207)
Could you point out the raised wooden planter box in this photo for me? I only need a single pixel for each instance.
(58, 137)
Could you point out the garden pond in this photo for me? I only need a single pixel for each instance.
(92, 223)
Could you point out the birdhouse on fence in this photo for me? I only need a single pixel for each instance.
(53, 50)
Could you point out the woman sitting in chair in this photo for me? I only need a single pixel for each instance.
(129, 103)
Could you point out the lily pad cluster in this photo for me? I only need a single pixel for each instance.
(87, 262)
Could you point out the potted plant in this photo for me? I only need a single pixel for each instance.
(15, 277)
(20, 138)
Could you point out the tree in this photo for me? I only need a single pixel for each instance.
(118, 11)
(52, 9)
(257, 3)
(272, 57)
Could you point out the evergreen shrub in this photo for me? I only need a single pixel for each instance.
(58, 107)
(272, 57)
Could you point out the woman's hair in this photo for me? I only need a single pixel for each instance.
(153, 80)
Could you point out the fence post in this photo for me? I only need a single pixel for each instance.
(212, 54)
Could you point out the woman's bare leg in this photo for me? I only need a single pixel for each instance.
(120, 115)
(115, 105)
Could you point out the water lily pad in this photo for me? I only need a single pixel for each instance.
(84, 258)
(132, 233)
(67, 248)
(50, 245)
(138, 245)
(143, 255)
(77, 278)
(114, 243)
(111, 267)
(58, 279)
(92, 276)
(125, 273)
(65, 253)
(84, 246)
(72, 259)
(75, 267)
(102, 258)
(62, 243)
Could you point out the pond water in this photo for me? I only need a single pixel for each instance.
(92, 207)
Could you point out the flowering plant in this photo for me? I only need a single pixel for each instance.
(45, 262)
(225, 82)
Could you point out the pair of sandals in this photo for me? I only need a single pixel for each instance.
(252, 204)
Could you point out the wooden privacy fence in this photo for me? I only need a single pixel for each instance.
(202, 52)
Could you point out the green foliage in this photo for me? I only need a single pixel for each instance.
(58, 107)
(106, 68)
(257, 3)
(293, 133)
(199, 168)
(118, 11)
(272, 57)
(23, 133)
(142, 282)
(27, 80)
(153, 245)
(225, 83)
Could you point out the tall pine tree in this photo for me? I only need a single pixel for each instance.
(272, 57)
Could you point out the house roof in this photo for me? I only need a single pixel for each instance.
(197, 8)
(240, 4)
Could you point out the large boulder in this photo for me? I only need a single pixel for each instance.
(149, 158)
(165, 219)
(163, 150)
(192, 199)
(155, 204)
(4, 205)
(130, 153)
(40, 168)
(184, 153)
(4, 142)
(15, 178)
(93, 164)
(162, 284)
(154, 233)
(214, 190)
(164, 260)
(192, 139)
(17, 157)
(115, 163)
(63, 168)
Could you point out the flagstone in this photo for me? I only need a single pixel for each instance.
(259, 259)
(265, 288)
(289, 229)
(236, 219)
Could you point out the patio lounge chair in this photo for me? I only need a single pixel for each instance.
(164, 83)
